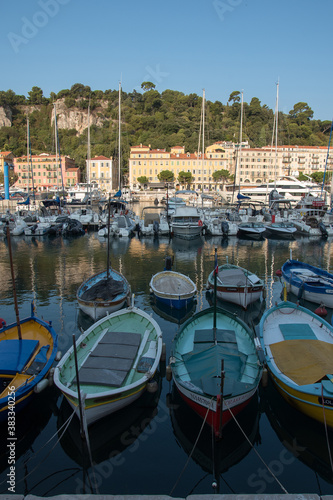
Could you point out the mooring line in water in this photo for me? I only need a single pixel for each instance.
(325, 425)
(195, 444)
(65, 424)
(258, 455)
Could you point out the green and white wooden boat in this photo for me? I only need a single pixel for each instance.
(116, 358)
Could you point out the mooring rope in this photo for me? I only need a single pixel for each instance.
(326, 430)
(258, 455)
(195, 444)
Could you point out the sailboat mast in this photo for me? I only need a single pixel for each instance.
(203, 130)
(276, 128)
(238, 151)
(119, 138)
(88, 151)
(28, 153)
(328, 152)
(56, 142)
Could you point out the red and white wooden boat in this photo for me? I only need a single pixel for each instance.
(215, 365)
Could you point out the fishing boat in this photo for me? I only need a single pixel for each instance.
(172, 288)
(28, 349)
(308, 282)
(186, 223)
(236, 284)
(115, 360)
(215, 365)
(105, 292)
(215, 368)
(298, 349)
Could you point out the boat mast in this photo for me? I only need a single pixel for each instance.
(276, 129)
(203, 135)
(328, 152)
(239, 150)
(29, 161)
(88, 150)
(119, 138)
(13, 281)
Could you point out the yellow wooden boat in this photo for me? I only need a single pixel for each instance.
(27, 352)
(298, 347)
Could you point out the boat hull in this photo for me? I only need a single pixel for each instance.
(211, 411)
(298, 347)
(98, 307)
(214, 378)
(241, 294)
(23, 382)
(173, 289)
(308, 282)
(114, 366)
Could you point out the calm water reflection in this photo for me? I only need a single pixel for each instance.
(145, 449)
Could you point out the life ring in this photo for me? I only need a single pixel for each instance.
(200, 223)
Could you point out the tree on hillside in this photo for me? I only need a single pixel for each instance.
(36, 96)
(234, 96)
(301, 113)
(147, 86)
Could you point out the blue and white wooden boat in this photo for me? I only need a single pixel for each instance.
(173, 289)
(298, 349)
(28, 348)
(308, 282)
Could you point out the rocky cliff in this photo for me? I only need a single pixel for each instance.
(6, 116)
(67, 118)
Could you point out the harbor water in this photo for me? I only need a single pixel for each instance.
(152, 446)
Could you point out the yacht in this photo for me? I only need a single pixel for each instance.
(288, 187)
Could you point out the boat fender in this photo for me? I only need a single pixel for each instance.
(2, 323)
(321, 311)
(264, 377)
(168, 373)
(163, 354)
(58, 356)
(300, 292)
(278, 272)
(152, 386)
(41, 385)
(200, 223)
(51, 376)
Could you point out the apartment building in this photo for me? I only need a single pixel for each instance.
(249, 166)
(6, 156)
(45, 172)
(147, 162)
(102, 172)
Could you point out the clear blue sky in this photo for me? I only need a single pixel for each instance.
(184, 45)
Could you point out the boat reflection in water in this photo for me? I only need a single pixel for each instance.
(300, 435)
(251, 316)
(214, 457)
(29, 424)
(168, 313)
(111, 435)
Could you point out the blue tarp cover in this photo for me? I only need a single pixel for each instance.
(15, 354)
